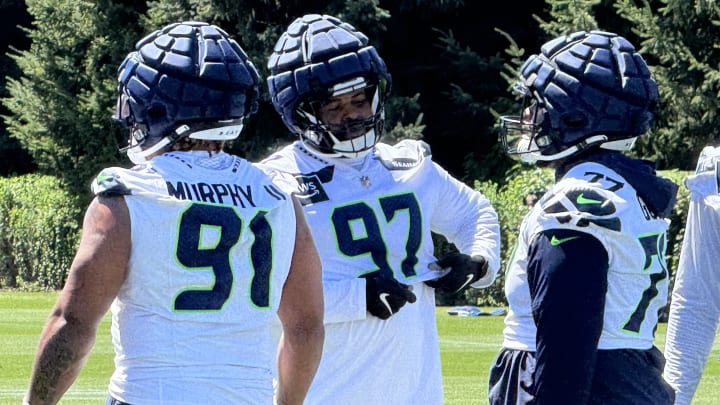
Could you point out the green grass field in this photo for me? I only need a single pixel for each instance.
(468, 346)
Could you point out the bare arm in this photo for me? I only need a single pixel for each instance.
(301, 314)
(95, 277)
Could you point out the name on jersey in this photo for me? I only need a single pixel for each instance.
(218, 193)
(401, 163)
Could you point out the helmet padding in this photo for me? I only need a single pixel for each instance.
(186, 79)
(315, 55)
(589, 89)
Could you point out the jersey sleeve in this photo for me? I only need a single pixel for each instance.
(567, 275)
(695, 304)
(284, 180)
(468, 220)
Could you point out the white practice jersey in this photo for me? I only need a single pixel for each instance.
(211, 249)
(695, 307)
(594, 199)
(377, 215)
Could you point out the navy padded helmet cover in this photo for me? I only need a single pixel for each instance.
(315, 53)
(187, 72)
(597, 76)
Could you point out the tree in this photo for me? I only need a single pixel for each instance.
(449, 53)
(13, 158)
(256, 25)
(566, 17)
(680, 39)
(61, 105)
(471, 102)
(446, 58)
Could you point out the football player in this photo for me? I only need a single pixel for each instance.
(695, 304)
(588, 273)
(194, 251)
(372, 208)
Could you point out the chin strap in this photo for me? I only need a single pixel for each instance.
(215, 131)
(536, 156)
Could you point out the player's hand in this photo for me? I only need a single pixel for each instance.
(385, 296)
(463, 271)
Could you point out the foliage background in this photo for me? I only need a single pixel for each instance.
(40, 232)
(453, 63)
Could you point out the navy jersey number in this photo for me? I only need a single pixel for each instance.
(371, 241)
(654, 246)
(191, 253)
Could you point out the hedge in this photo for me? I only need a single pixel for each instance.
(41, 229)
(40, 224)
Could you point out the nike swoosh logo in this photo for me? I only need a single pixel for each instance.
(383, 299)
(582, 200)
(555, 241)
(469, 279)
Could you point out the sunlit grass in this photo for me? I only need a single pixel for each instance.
(468, 347)
(22, 316)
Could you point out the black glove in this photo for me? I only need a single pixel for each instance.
(385, 296)
(464, 270)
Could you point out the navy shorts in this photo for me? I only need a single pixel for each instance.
(511, 378)
(621, 377)
(112, 401)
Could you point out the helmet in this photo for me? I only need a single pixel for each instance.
(187, 79)
(584, 89)
(320, 57)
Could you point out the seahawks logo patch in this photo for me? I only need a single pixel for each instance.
(108, 183)
(593, 207)
(404, 155)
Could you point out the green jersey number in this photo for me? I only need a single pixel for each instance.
(654, 246)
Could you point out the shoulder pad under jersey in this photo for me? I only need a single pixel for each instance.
(404, 155)
(578, 204)
(708, 160)
(108, 183)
